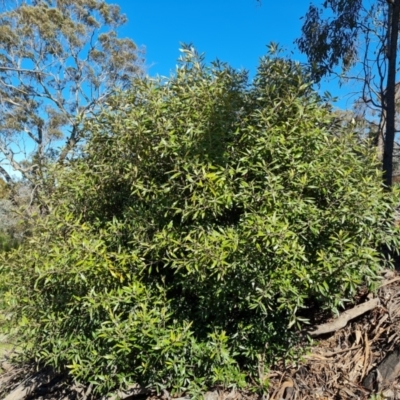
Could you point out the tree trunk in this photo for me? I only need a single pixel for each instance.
(5, 174)
(390, 95)
(380, 142)
(71, 143)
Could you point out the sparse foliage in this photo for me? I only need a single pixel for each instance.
(59, 60)
(16, 210)
(361, 38)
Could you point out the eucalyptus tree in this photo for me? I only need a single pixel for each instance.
(359, 40)
(59, 60)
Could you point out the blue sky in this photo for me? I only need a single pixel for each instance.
(235, 31)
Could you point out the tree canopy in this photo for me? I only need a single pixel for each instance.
(59, 60)
(361, 34)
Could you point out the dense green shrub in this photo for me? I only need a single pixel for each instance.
(204, 215)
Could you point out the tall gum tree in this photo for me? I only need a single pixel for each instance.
(59, 60)
(359, 38)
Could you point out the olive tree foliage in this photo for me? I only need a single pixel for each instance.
(16, 206)
(59, 60)
(204, 216)
(16, 209)
(5, 211)
(359, 38)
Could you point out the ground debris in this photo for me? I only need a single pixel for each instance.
(356, 361)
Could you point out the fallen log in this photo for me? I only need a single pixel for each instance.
(343, 318)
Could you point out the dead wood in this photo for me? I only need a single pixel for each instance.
(388, 282)
(344, 318)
